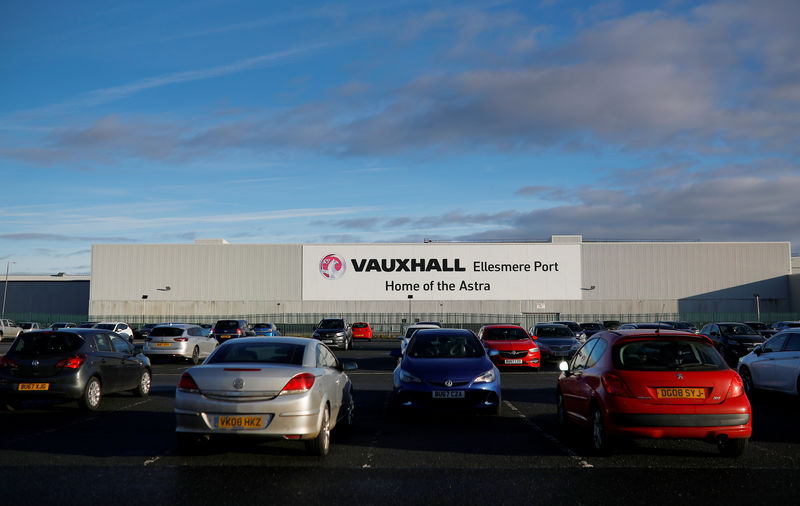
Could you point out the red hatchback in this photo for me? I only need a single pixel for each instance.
(362, 330)
(516, 347)
(648, 384)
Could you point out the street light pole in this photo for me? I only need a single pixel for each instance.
(409, 308)
(5, 290)
(758, 307)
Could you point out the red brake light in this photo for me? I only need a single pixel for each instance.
(737, 387)
(7, 362)
(181, 339)
(73, 362)
(187, 383)
(239, 332)
(615, 386)
(299, 384)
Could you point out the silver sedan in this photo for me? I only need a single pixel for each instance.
(281, 387)
(179, 340)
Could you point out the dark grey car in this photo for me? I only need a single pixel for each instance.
(334, 331)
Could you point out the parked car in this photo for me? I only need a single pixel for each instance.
(645, 326)
(555, 341)
(591, 328)
(681, 325)
(144, 331)
(406, 337)
(334, 331)
(280, 387)
(62, 325)
(362, 330)
(732, 339)
(515, 346)
(180, 340)
(575, 328)
(646, 384)
(86, 325)
(762, 328)
(778, 326)
(774, 365)
(446, 369)
(9, 329)
(28, 326)
(230, 329)
(120, 328)
(74, 363)
(266, 329)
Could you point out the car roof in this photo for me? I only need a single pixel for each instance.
(279, 339)
(179, 325)
(423, 326)
(616, 335)
(502, 326)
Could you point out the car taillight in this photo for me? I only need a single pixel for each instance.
(238, 332)
(7, 362)
(73, 362)
(187, 383)
(614, 385)
(181, 339)
(299, 384)
(737, 387)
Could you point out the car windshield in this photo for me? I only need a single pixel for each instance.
(553, 331)
(26, 325)
(226, 325)
(268, 353)
(262, 326)
(679, 325)
(757, 325)
(666, 355)
(331, 324)
(592, 326)
(433, 345)
(736, 329)
(166, 332)
(46, 343)
(571, 325)
(504, 334)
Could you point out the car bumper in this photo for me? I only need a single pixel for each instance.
(174, 350)
(339, 342)
(292, 415)
(63, 386)
(529, 362)
(480, 397)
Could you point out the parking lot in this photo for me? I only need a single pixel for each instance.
(56, 453)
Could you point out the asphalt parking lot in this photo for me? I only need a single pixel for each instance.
(54, 453)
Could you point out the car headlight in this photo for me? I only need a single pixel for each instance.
(487, 377)
(407, 377)
(339, 334)
(533, 350)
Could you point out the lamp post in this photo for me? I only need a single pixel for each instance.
(144, 302)
(409, 308)
(758, 307)
(5, 290)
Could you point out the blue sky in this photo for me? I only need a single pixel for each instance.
(315, 122)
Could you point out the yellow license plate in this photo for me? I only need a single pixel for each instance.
(240, 422)
(28, 387)
(681, 393)
(163, 345)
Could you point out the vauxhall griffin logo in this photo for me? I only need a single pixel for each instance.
(332, 266)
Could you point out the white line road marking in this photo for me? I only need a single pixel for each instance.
(150, 461)
(564, 448)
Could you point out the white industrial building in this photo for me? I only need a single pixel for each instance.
(568, 276)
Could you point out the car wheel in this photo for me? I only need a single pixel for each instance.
(92, 395)
(600, 442)
(143, 388)
(195, 356)
(350, 413)
(732, 447)
(747, 381)
(320, 445)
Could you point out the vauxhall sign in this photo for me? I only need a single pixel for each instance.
(441, 271)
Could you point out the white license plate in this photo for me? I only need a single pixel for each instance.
(513, 361)
(448, 394)
(561, 353)
(328, 341)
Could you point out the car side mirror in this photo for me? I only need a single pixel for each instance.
(396, 353)
(758, 350)
(533, 337)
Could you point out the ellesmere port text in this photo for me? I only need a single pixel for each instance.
(537, 266)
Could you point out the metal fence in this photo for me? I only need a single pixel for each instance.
(392, 324)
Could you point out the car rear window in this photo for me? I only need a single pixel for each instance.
(269, 353)
(666, 355)
(105, 326)
(360, 325)
(433, 345)
(226, 325)
(504, 334)
(46, 343)
(166, 332)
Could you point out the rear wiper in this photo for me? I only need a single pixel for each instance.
(683, 367)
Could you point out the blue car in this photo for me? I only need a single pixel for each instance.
(266, 329)
(446, 369)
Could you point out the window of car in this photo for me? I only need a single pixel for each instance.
(434, 345)
(666, 355)
(597, 352)
(331, 324)
(269, 353)
(119, 345)
(504, 334)
(579, 362)
(736, 329)
(46, 343)
(102, 342)
(775, 343)
(325, 358)
(166, 332)
(794, 342)
(360, 325)
(226, 326)
(552, 331)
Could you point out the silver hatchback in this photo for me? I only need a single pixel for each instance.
(179, 340)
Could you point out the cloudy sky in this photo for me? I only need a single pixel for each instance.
(315, 122)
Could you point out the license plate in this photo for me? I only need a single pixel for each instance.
(513, 361)
(448, 394)
(328, 341)
(561, 353)
(28, 387)
(240, 422)
(162, 345)
(681, 393)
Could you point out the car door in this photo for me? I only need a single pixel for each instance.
(107, 361)
(128, 365)
(575, 395)
(786, 364)
(762, 369)
(333, 378)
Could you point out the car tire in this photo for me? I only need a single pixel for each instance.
(92, 395)
(747, 381)
(600, 442)
(195, 356)
(349, 416)
(145, 382)
(732, 447)
(320, 445)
